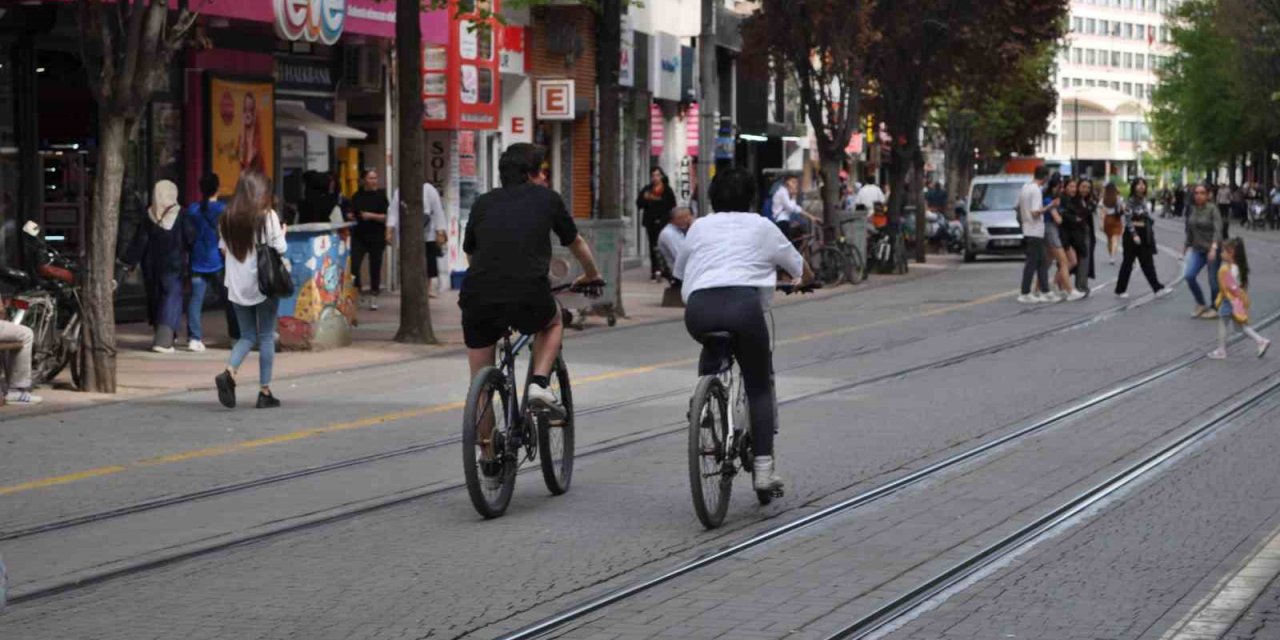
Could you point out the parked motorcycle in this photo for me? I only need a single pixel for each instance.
(47, 302)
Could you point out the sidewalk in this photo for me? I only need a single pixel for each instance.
(141, 373)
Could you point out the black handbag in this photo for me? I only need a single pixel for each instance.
(274, 280)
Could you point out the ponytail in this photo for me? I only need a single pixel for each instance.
(1242, 260)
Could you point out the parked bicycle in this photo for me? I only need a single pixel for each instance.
(500, 431)
(47, 302)
(719, 427)
(830, 263)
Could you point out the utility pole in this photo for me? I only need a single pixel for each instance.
(708, 104)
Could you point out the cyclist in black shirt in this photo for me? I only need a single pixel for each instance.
(508, 242)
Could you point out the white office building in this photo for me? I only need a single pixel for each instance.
(1106, 76)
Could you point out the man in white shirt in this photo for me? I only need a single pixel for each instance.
(787, 213)
(671, 240)
(433, 224)
(1031, 209)
(869, 196)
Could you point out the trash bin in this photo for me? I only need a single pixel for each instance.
(605, 239)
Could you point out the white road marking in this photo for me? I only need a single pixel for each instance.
(1214, 615)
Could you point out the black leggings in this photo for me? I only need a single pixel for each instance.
(1078, 240)
(1145, 255)
(374, 248)
(738, 310)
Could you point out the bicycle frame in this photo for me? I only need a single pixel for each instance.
(519, 435)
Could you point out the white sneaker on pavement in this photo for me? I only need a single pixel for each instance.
(541, 398)
(22, 396)
(1123, 296)
(1044, 298)
(195, 346)
(1028, 298)
(1164, 291)
(764, 477)
(159, 349)
(373, 304)
(1073, 296)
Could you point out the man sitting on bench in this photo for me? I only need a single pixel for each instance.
(20, 365)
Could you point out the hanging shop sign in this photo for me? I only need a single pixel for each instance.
(691, 132)
(667, 66)
(460, 79)
(657, 130)
(310, 20)
(511, 60)
(627, 54)
(555, 100)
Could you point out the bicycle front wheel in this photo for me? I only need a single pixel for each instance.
(857, 270)
(489, 468)
(710, 464)
(830, 266)
(555, 437)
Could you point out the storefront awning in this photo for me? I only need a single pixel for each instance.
(293, 115)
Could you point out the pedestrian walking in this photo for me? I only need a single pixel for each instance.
(1112, 219)
(1233, 298)
(160, 246)
(655, 203)
(1139, 242)
(1053, 238)
(1223, 198)
(433, 230)
(248, 222)
(1031, 211)
(1077, 215)
(1204, 231)
(369, 238)
(1179, 201)
(1089, 195)
(206, 260)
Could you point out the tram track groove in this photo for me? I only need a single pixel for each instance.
(555, 622)
(18, 595)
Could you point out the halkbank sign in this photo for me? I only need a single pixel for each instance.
(310, 20)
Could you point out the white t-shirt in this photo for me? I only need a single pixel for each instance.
(735, 250)
(241, 278)
(784, 205)
(431, 204)
(670, 243)
(869, 196)
(1030, 199)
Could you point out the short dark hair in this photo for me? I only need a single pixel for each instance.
(1042, 172)
(733, 190)
(519, 161)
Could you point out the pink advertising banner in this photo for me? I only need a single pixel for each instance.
(325, 20)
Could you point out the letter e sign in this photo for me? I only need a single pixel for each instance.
(555, 100)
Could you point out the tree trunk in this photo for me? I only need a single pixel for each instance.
(98, 342)
(829, 161)
(415, 314)
(609, 44)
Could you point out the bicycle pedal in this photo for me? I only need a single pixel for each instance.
(777, 493)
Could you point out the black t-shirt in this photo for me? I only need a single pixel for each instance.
(508, 241)
(373, 202)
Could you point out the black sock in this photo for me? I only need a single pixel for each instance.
(541, 381)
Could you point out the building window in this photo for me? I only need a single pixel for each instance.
(1076, 24)
(1128, 88)
(1104, 27)
(1090, 83)
(1091, 57)
(1134, 132)
(1075, 82)
(1066, 82)
(1091, 26)
(1140, 61)
(1077, 55)
(1089, 130)
(1115, 85)
(1115, 59)
(1128, 60)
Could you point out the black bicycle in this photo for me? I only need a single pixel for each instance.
(719, 427)
(501, 431)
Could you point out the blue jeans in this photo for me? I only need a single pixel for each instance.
(1198, 259)
(200, 283)
(257, 326)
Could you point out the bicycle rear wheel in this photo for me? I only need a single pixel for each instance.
(830, 266)
(857, 270)
(490, 470)
(710, 465)
(555, 437)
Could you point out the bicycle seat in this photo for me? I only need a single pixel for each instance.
(717, 353)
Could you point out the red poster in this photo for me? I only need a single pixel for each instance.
(466, 166)
(657, 130)
(467, 143)
(691, 132)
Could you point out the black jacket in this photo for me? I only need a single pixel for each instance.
(655, 213)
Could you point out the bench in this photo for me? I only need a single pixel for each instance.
(6, 351)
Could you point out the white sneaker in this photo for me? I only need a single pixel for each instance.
(159, 349)
(1028, 298)
(1164, 291)
(373, 304)
(1043, 298)
(1073, 296)
(542, 398)
(1123, 296)
(195, 346)
(20, 396)
(764, 477)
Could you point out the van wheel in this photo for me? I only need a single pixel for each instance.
(970, 256)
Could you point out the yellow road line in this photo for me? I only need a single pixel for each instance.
(302, 434)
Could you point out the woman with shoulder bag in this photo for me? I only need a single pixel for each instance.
(248, 226)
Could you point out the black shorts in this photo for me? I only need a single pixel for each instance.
(433, 259)
(485, 322)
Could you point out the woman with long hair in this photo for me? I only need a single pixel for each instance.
(1111, 213)
(1205, 227)
(1233, 298)
(249, 148)
(1139, 241)
(1053, 224)
(655, 203)
(1089, 197)
(248, 222)
(1075, 234)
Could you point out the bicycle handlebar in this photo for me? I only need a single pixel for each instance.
(593, 289)
(789, 289)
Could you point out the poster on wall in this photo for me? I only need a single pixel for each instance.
(241, 129)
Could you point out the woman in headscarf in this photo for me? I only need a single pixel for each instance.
(160, 246)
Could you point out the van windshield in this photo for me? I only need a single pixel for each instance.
(998, 196)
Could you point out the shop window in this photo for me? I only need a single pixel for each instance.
(486, 86)
(484, 44)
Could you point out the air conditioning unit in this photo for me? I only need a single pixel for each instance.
(362, 68)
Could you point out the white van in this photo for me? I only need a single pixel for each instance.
(991, 223)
